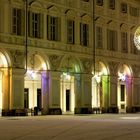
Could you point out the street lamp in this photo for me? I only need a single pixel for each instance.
(27, 3)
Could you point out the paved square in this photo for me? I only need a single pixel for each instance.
(71, 127)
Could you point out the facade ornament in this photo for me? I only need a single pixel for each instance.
(55, 61)
(18, 58)
(87, 64)
(113, 68)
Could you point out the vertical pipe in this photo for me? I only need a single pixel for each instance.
(26, 34)
(94, 35)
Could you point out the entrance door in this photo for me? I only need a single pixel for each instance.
(122, 99)
(26, 98)
(67, 100)
(39, 99)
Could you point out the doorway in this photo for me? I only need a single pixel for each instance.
(67, 96)
(26, 98)
(67, 100)
(122, 99)
(39, 99)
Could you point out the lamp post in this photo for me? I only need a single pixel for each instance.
(27, 3)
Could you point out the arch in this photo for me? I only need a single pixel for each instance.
(36, 81)
(4, 78)
(101, 68)
(125, 70)
(124, 88)
(36, 4)
(100, 87)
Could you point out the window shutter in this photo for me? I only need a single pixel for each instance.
(48, 28)
(73, 32)
(81, 34)
(19, 22)
(41, 25)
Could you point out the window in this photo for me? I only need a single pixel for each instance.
(123, 7)
(70, 31)
(134, 11)
(84, 34)
(16, 21)
(99, 37)
(111, 40)
(34, 24)
(99, 2)
(124, 45)
(53, 28)
(112, 4)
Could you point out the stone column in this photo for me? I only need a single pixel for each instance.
(78, 93)
(45, 85)
(54, 106)
(129, 95)
(17, 91)
(113, 94)
(86, 93)
(5, 91)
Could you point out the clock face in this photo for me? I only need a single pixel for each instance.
(137, 38)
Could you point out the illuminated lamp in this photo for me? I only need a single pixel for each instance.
(122, 76)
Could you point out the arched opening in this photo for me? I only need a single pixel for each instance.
(70, 70)
(124, 86)
(100, 91)
(3, 82)
(35, 92)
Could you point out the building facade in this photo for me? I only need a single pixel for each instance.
(69, 56)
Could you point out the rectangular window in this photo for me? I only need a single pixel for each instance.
(84, 34)
(99, 2)
(53, 28)
(70, 31)
(134, 11)
(112, 40)
(16, 21)
(99, 37)
(124, 7)
(36, 25)
(112, 4)
(124, 40)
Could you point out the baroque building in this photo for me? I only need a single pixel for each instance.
(69, 56)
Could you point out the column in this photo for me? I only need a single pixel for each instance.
(54, 107)
(86, 93)
(78, 93)
(45, 84)
(17, 91)
(113, 94)
(5, 91)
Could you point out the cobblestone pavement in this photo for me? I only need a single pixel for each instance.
(71, 127)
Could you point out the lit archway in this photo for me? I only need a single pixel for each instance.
(3, 79)
(100, 84)
(124, 87)
(35, 83)
(70, 68)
